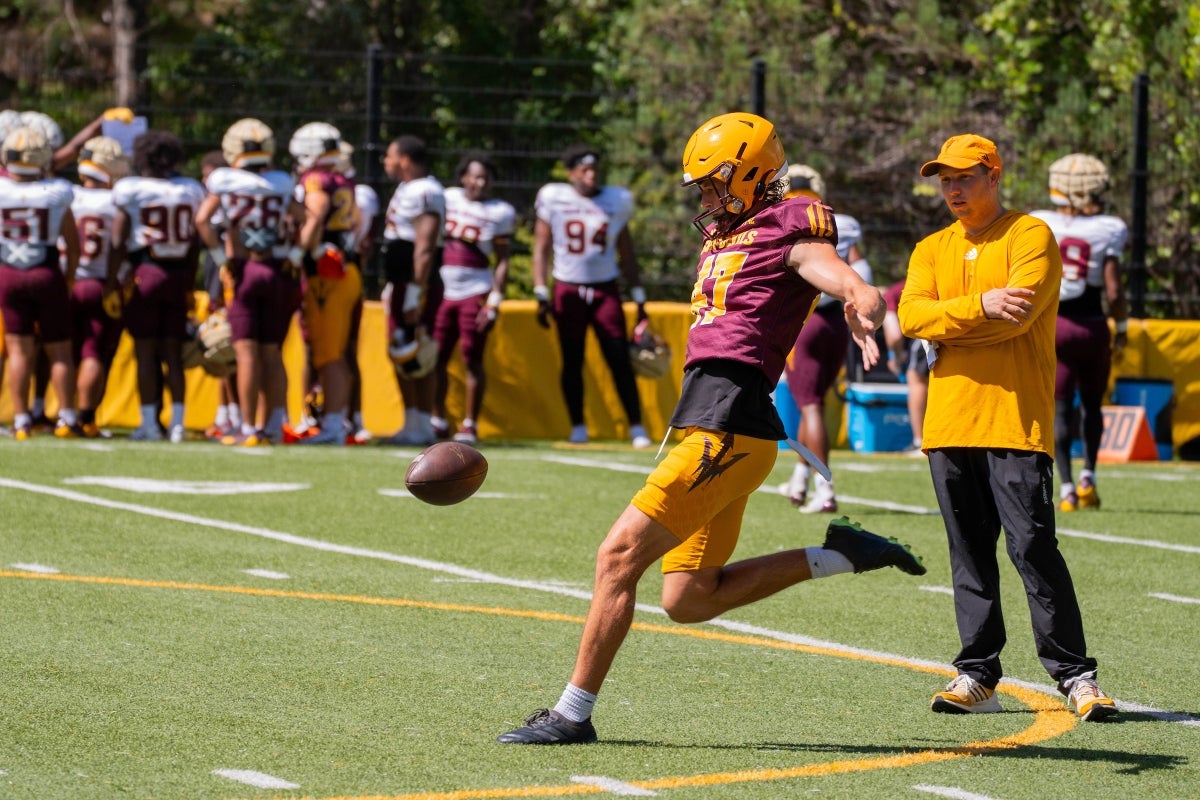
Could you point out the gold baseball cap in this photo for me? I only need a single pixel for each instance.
(963, 152)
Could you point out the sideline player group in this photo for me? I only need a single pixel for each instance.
(123, 249)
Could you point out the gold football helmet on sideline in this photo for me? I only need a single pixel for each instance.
(248, 143)
(804, 181)
(414, 356)
(27, 152)
(102, 159)
(740, 150)
(46, 124)
(1078, 180)
(648, 352)
(316, 144)
(216, 344)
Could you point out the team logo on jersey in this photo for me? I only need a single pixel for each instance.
(714, 464)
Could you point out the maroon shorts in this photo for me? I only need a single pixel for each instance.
(578, 305)
(159, 306)
(456, 323)
(819, 355)
(1084, 350)
(94, 334)
(264, 300)
(35, 301)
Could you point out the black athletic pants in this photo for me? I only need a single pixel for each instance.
(980, 490)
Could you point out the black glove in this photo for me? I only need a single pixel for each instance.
(545, 314)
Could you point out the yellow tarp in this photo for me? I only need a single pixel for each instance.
(523, 400)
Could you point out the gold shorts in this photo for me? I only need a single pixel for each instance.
(699, 493)
(328, 312)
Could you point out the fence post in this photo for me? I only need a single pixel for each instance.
(758, 87)
(373, 146)
(1140, 179)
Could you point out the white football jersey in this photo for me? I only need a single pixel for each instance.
(368, 209)
(94, 211)
(472, 227)
(31, 215)
(849, 234)
(162, 213)
(258, 202)
(1085, 242)
(410, 200)
(584, 230)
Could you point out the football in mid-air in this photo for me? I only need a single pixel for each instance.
(446, 473)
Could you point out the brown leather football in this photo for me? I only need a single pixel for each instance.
(446, 473)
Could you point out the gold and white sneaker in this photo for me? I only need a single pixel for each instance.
(1086, 699)
(965, 695)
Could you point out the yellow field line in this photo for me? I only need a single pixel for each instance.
(1051, 717)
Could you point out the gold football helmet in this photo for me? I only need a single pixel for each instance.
(315, 144)
(27, 152)
(102, 159)
(1078, 180)
(248, 143)
(741, 152)
(804, 181)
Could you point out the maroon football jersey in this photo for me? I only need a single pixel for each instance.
(748, 306)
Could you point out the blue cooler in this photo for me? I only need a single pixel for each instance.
(1157, 396)
(878, 417)
(787, 409)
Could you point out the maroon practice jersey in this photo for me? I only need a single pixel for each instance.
(748, 305)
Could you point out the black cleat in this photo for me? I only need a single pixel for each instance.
(868, 551)
(549, 727)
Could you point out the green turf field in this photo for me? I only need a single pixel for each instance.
(166, 632)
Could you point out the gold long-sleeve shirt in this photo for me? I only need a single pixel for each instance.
(993, 382)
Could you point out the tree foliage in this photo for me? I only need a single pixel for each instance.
(862, 91)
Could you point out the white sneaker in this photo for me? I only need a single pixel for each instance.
(579, 435)
(820, 505)
(796, 489)
(965, 695)
(176, 434)
(640, 439)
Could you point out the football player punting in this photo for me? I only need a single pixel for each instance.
(155, 230)
(820, 353)
(477, 228)
(258, 207)
(1091, 243)
(763, 263)
(333, 283)
(412, 252)
(585, 225)
(35, 210)
(97, 298)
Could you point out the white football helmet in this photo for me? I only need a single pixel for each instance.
(415, 357)
(648, 352)
(9, 121)
(1078, 180)
(804, 181)
(248, 143)
(27, 153)
(49, 128)
(102, 159)
(316, 144)
(345, 164)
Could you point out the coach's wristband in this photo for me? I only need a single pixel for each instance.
(495, 298)
(542, 294)
(412, 297)
(1122, 325)
(638, 294)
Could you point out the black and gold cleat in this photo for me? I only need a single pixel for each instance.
(868, 551)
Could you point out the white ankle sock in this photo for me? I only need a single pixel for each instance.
(823, 563)
(575, 704)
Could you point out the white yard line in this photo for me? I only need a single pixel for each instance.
(551, 588)
(613, 786)
(259, 780)
(1174, 598)
(952, 792)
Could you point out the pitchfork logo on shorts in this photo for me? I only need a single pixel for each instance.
(713, 465)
